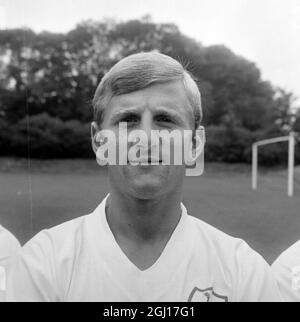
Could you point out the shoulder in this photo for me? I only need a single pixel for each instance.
(59, 237)
(289, 257)
(53, 251)
(287, 272)
(44, 265)
(247, 272)
(9, 248)
(233, 256)
(221, 242)
(8, 242)
(74, 232)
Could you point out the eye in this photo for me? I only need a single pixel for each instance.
(130, 119)
(163, 119)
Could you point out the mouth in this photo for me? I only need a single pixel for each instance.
(145, 162)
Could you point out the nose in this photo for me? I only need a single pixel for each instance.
(147, 123)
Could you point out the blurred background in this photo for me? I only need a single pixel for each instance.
(245, 57)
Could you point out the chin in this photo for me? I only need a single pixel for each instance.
(146, 183)
(142, 188)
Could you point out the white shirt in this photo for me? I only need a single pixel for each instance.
(8, 248)
(287, 272)
(81, 261)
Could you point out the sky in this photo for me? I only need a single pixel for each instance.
(266, 32)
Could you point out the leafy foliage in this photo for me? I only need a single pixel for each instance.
(47, 81)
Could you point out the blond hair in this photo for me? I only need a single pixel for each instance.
(139, 71)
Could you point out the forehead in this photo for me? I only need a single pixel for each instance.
(171, 95)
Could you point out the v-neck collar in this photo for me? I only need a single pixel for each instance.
(160, 272)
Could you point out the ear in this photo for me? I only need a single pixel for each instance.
(196, 159)
(200, 140)
(94, 132)
(198, 143)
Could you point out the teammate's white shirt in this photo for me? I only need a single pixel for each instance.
(81, 261)
(9, 246)
(286, 269)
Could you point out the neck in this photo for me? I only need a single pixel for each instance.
(143, 220)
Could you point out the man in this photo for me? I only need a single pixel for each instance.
(140, 244)
(8, 248)
(287, 271)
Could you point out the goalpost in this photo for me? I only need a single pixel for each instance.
(291, 140)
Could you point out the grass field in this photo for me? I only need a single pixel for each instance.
(56, 191)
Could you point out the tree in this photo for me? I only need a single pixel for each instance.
(49, 80)
(286, 113)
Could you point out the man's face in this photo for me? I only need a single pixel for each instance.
(158, 107)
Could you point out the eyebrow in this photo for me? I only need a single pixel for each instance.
(161, 110)
(165, 111)
(123, 113)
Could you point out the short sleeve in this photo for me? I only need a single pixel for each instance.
(32, 275)
(255, 280)
(9, 247)
(286, 269)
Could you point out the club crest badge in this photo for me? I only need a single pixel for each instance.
(206, 295)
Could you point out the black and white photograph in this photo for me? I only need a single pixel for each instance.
(149, 153)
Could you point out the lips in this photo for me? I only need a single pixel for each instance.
(145, 162)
